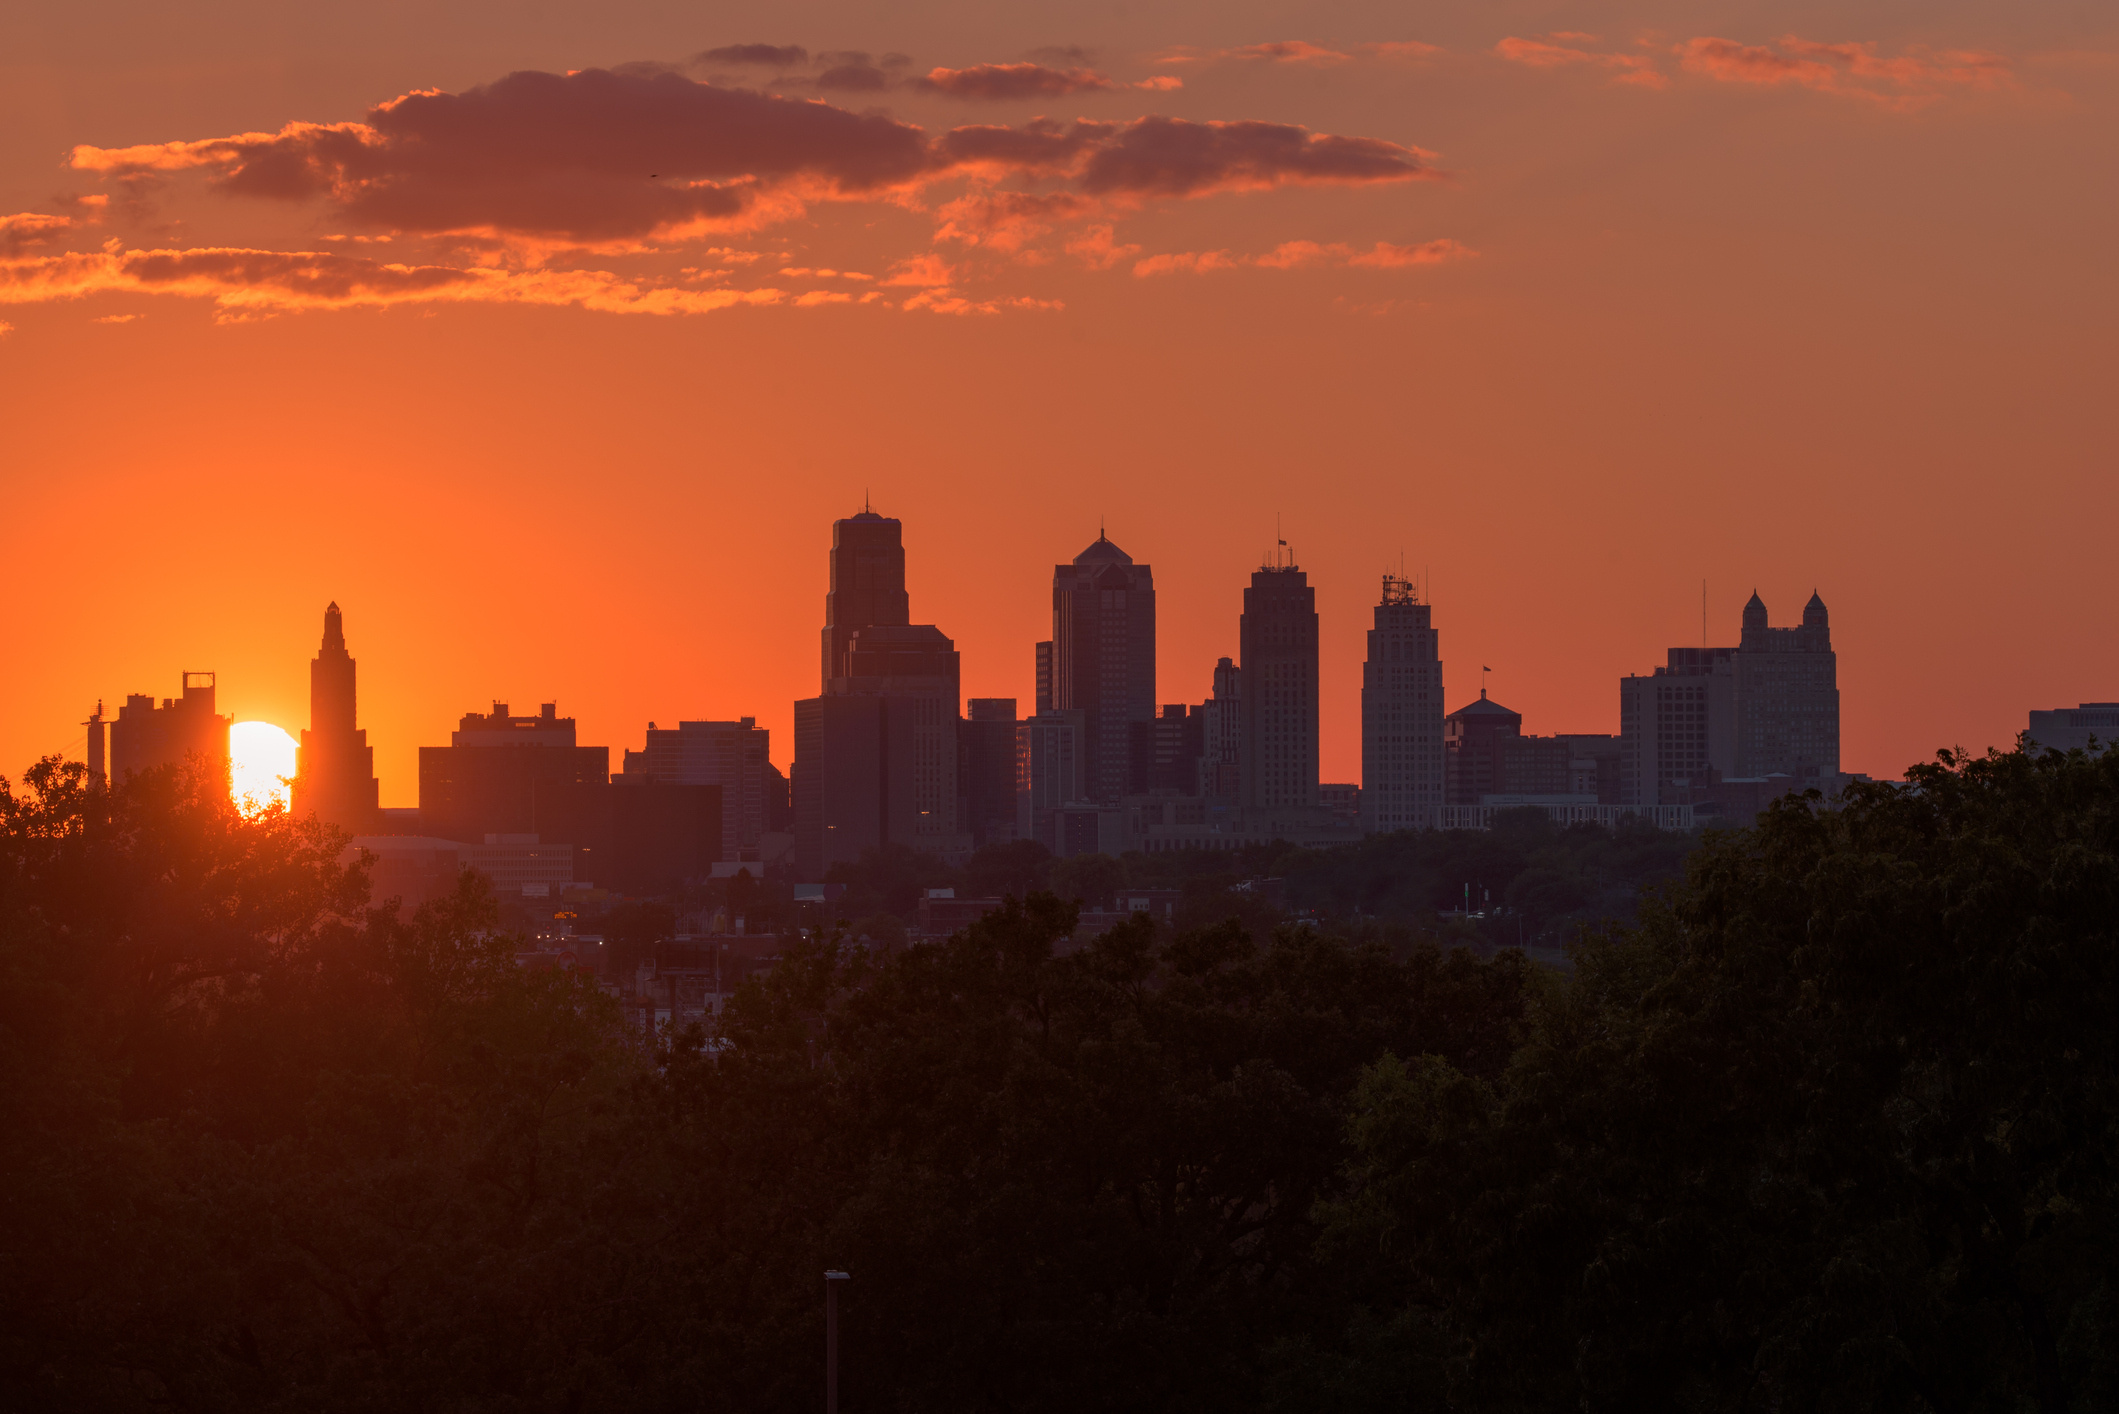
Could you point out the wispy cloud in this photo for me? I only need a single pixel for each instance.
(1547, 54)
(1291, 255)
(1905, 80)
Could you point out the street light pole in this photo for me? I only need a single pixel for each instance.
(831, 1340)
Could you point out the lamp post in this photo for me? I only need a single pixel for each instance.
(831, 1340)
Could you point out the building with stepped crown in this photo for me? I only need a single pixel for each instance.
(335, 775)
(1402, 749)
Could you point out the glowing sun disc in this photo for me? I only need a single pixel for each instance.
(261, 761)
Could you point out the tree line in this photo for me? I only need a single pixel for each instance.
(1828, 1125)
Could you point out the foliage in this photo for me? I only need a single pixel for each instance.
(1831, 1127)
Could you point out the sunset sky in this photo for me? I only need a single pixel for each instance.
(549, 339)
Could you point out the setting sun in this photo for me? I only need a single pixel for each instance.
(260, 763)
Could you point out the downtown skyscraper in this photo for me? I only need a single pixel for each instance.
(1279, 664)
(1401, 716)
(1102, 660)
(876, 751)
(336, 777)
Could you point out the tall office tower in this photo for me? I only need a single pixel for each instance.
(867, 583)
(182, 728)
(1787, 697)
(986, 769)
(1279, 646)
(1103, 657)
(876, 752)
(735, 756)
(1221, 735)
(1769, 706)
(336, 781)
(1043, 700)
(1401, 716)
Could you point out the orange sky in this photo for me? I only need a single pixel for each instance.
(1572, 305)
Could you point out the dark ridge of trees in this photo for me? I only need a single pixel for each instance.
(1830, 1126)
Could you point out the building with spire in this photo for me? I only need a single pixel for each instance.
(1103, 661)
(876, 751)
(1401, 715)
(1767, 708)
(1278, 637)
(335, 776)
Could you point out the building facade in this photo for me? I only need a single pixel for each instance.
(1221, 735)
(986, 769)
(1279, 717)
(502, 774)
(1402, 748)
(876, 752)
(1103, 657)
(2093, 725)
(1051, 773)
(183, 729)
(336, 781)
(1767, 707)
(735, 756)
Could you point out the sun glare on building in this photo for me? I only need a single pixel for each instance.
(260, 764)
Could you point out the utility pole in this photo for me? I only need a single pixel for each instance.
(831, 1340)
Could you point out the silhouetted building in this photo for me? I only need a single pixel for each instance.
(1221, 735)
(335, 780)
(986, 769)
(1767, 707)
(145, 736)
(1279, 646)
(1787, 697)
(1103, 658)
(1043, 699)
(1402, 747)
(1050, 773)
(1473, 738)
(2093, 724)
(664, 835)
(1488, 757)
(876, 753)
(508, 775)
(867, 583)
(1167, 751)
(735, 756)
(98, 747)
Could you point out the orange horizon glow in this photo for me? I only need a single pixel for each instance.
(501, 337)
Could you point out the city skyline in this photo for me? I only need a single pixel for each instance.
(1567, 324)
(892, 610)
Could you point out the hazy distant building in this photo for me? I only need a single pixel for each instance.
(1042, 702)
(1221, 735)
(1103, 657)
(736, 756)
(1402, 750)
(336, 781)
(986, 769)
(1787, 697)
(2075, 728)
(145, 736)
(1167, 751)
(1050, 774)
(876, 752)
(507, 775)
(1279, 717)
(1767, 707)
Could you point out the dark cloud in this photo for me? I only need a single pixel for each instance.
(1173, 157)
(778, 56)
(1013, 81)
(598, 157)
(853, 78)
(30, 230)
